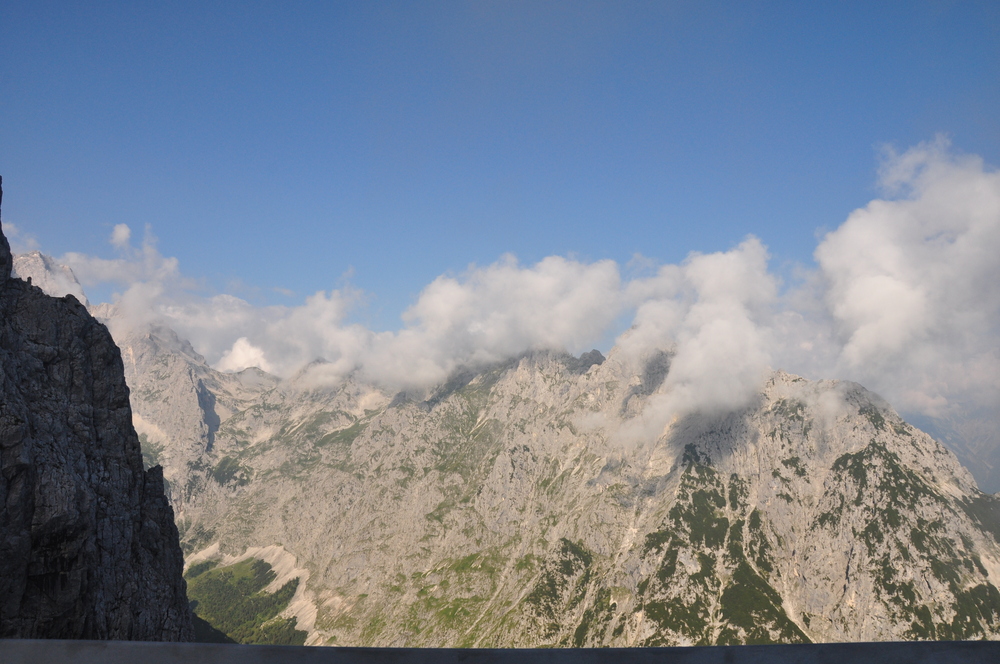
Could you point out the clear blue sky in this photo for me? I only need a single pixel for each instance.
(280, 144)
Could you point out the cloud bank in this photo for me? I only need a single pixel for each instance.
(903, 298)
(913, 284)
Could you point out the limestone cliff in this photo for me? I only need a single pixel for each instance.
(88, 547)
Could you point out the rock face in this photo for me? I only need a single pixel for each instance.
(88, 547)
(534, 503)
(179, 401)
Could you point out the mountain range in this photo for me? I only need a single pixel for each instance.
(537, 502)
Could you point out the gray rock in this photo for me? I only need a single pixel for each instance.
(88, 547)
(580, 365)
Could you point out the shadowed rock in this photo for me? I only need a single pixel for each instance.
(88, 546)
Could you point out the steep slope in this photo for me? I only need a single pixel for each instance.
(511, 508)
(975, 440)
(178, 401)
(88, 547)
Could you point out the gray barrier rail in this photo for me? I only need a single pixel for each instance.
(23, 651)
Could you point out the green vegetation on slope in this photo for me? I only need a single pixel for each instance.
(886, 492)
(152, 452)
(560, 588)
(231, 601)
(230, 471)
(728, 599)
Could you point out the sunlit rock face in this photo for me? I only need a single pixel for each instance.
(88, 547)
(549, 501)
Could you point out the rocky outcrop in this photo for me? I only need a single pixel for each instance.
(88, 547)
(178, 401)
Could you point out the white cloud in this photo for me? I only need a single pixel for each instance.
(904, 300)
(496, 312)
(133, 265)
(20, 242)
(242, 355)
(722, 350)
(120, 236)
(714, 309)
(483, 316)
(912, 283)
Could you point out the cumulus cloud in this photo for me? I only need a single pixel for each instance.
(134, 265)
(722, 350)
(120, 236)
(903, 299)
(242, 355)
(496, 312)
(715, 309)
(484, 315)
(911, 282)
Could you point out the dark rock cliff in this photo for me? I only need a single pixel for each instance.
(88, 546)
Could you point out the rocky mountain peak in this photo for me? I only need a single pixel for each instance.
(505, 507)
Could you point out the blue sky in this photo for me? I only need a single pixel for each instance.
(281, 144)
